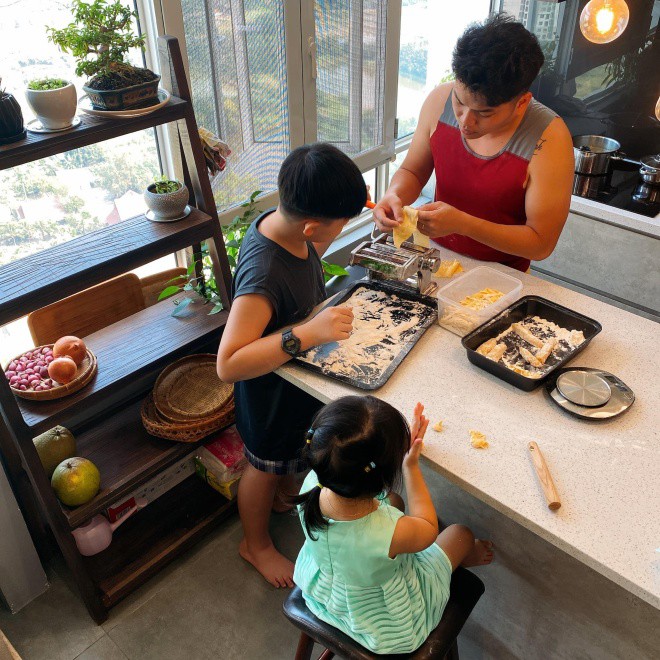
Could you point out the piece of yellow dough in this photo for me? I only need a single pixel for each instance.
(478, 440)
(408, 228)
(405, 230)
(437, 427)
(481, 299)
(448, 268)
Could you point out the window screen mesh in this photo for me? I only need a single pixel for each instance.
(350, 54)
(236, 51)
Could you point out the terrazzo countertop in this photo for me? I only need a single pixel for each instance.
(607, 473)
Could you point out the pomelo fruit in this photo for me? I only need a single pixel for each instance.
(76, 481)
(54, 446)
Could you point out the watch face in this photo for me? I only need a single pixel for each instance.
(290, 344)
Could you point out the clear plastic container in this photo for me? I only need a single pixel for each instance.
(460, 319)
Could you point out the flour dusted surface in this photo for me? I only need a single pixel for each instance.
(384, 325)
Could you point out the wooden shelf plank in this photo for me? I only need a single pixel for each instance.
(154, 536)
(90, 131)
(127, 350)
(126, 456)
(58, 272)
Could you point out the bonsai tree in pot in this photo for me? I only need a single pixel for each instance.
(100, 38)
(167, 199)
(11, 118)
(53, 101)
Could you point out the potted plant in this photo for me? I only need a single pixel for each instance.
(100, 38)
(167, 199)
(53, 101)
(206, 285)
(11, 118)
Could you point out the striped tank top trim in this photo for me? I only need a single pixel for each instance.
(523, 142)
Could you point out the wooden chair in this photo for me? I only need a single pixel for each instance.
(152, 285)
(466, 589)
(87, 311)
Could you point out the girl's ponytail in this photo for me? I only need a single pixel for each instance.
(311, 506)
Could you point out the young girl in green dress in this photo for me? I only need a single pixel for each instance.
(376, 574)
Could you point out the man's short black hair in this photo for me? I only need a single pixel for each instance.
(497, 59)
(321, 182)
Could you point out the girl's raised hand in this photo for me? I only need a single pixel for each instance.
(417, 432)
(418, 418)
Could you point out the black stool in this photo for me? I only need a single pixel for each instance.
(466, 589)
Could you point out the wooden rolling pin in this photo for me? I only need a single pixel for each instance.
(549, 489)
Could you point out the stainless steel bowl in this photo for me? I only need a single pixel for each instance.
(593, 153)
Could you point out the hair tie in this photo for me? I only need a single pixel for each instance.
(319, 485)
(308, 436)
(370, 467)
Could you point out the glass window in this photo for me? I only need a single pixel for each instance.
(237, 59)
(429, 30)
(50, 201)
(350, 57)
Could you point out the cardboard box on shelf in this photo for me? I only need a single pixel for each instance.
(223, 454)
(220, 462)
(228, 488)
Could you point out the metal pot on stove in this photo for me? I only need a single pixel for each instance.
(650, 170)
(593, 154)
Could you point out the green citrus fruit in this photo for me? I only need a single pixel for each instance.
(54, 446)
(76, 481)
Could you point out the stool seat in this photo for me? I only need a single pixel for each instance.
(466, 589)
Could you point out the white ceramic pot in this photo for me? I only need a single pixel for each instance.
(54, 108)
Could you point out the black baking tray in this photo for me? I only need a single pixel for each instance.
(528, 306)
(382, 377)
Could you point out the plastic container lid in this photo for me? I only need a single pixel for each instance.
(460, 319)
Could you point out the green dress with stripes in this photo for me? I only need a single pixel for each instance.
(349, 581)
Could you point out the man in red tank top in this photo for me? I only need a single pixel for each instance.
(503, 162)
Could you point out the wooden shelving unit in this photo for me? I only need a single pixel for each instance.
(105, 415)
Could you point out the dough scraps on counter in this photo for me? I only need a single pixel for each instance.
(478, 440)
(448, 268)
(437, 427)
(532, 346)
(481, 299)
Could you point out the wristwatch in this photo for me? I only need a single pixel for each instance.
(290, 343)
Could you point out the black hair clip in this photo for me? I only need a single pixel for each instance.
(308, 436)
(370, 467)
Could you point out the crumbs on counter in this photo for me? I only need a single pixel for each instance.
(437, 427)
(478, 440)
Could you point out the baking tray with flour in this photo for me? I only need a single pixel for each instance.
(387, 323)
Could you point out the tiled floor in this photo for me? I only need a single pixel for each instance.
(207, 604)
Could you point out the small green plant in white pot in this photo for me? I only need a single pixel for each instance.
(53, 101)
(167, 199)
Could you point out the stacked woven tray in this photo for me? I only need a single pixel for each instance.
(188, 401)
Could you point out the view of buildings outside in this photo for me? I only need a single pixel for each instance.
(50, 201)
(429, 30)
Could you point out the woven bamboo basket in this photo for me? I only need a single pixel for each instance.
(190, 431)
(86, 371)
(189, 389)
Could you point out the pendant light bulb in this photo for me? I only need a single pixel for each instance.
(657, 109)
(602, 21)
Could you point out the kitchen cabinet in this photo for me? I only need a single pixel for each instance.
(105, 415)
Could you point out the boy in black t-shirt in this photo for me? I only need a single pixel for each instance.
(278, 282)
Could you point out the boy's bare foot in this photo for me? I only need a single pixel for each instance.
(480, 555)
(275, 567)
